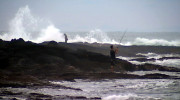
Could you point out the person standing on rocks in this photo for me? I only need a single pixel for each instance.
(113, 53)
(65, 37)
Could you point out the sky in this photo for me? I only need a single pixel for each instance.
(107, 15)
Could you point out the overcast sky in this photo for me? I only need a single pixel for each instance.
(107, 15)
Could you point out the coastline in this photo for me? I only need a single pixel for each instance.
(27, 64)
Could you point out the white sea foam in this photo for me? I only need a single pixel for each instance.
(51, 33)
(128, 97)
(168, 62)
(156, 42)
(32, 28)
(155, 71)
(157, 56)
(165, 62)
(117, 89)
(121, 97)
(122, 89)
(96, 35)
(157, 61)
(37, 29)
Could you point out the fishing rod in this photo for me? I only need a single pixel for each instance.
(123, 36)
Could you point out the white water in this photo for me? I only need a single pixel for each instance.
(164, 62)
(176, 74)
(32, 28)
(135, 89)
(37, 29)
(93, 36)
(117, 89)
(156, 42)
(126, 89)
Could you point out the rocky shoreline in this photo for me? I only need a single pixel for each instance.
(29, 65)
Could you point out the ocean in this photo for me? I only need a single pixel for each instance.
(114, 89)
(34, 28)
(127, 38)
(123, 89)
(38, 30)
(126, 89)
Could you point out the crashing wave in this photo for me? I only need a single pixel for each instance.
(156, 42)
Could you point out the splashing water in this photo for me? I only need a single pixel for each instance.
(31, 28)
(96, 35)
(157, 42)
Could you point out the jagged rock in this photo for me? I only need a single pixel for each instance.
(156, 76)
(64, 97)
(4, 93)
(37, 96)
(55, 61)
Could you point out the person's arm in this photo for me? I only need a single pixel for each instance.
(116, 50)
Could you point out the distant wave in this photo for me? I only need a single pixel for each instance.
(127, 97)
(157, 61)
(155, 42)
(93, 36)
(33, 28)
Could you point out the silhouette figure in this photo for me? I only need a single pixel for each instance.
(66, 38)
(113, 53)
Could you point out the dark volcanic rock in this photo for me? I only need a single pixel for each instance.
(37, 96)
(52, 60)
(156, 76)
(64, 97)
(143, 59)
(4, 93)
(99, 76)
(153, 59)
(149, 67)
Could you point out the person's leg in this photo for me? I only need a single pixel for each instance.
(112, 68)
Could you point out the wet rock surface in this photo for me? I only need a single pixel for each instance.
(30, 65)
(50, 60)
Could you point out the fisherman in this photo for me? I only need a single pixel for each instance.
(65, 37)
(113, 53)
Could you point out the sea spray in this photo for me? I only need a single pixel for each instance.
(31, 28)
(51, 33)
(122, 97)
(155, 42)
(36, 29)
(25, 25)
(94, 36)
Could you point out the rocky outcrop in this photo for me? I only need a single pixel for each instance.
(52, 59)
(30, 65)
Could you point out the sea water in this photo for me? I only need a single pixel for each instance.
(38, 30)
(114, 89)
(31, 27)
(126, 89)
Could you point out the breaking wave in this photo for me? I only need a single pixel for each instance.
(128, 97)
(93, 36)
(33, 28)
(155, 42)
(173, 61)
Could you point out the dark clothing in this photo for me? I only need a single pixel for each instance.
(113, 58)
(66, 38)
(113, 62)
(112, 54)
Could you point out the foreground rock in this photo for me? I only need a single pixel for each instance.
(30, 65)
(51, 59)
